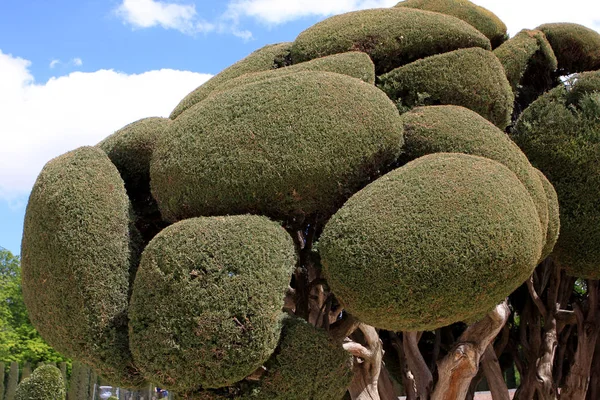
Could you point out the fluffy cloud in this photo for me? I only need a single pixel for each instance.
(150, 13)
(41, 121)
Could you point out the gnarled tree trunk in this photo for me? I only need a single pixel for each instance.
(367, 364)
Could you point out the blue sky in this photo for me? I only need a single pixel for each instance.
(72, 72)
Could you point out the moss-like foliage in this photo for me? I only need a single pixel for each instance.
(528, 49)
(482, 19)
(307, 365)
(442, 239)
(560, 133)
(206, 304)
(553, 215)
(453, 129)
(472, 78)
(391, 36)
(355, 64)
(46, 383)
(76, 261)
(269, 57)
(577, 48)
(287, 147)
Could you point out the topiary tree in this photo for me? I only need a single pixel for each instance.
(326, 199)
(46, 383)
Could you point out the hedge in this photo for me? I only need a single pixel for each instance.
(577, 48)
(46, 383)
(553, 215)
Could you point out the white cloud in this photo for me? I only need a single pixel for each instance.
(42, 121)
(150, 13)
(77, 62)
(54, 63)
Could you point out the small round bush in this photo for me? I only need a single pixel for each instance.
(577, 48)
(442, 239)
(46, 383)
(454, 129)
(266, 58)
(482, 19)
(472, 78)
(391, 36)
(76, 260)
(206, 305)
(553, 215)
(289, 147)
(560, 133)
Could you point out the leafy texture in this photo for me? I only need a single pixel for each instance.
(560, 133)
(553, 215)
(391, 36)
(76, 260)
(442, 239)
(472, 78)
(46, 383)
(289, 147)
(207, 299)
(269, 57)
(482, 19)
(577, 48)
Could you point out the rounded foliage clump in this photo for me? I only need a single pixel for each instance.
(472, 78)
(482, 19)
(560, 133)
(206, 305)
(391, 36)
(442, 239)
(76, 260)
(453, 129)
(287, 147)
(46, 383)
(266, 58)
(577, 48)
(553, 215)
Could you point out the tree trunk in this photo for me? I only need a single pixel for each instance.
(594, 389)
(458, 368)
(421, 374)
(367, 365)
(385, 385)
(493, 374)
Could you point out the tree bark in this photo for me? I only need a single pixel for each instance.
(458, 368)
(594, 389)
(367, 364)
(493, 374)
(423, 379)
(385, 385)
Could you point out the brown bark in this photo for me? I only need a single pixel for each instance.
(385, 385)
(423, 379)
(408, 382)
(493, 374)
(594, 388)
(458, 368)
(367, 364)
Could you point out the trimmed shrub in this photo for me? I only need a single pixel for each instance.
(480, 18)
(442, 239)
(560, 133)
(472, 78)
(553, 215)
(528, 49)
(355, 64)
(577, 48)
(266, 58)
(46, 383)
(76, 260)
(289, 147)
(206, 304)
(391, 36)
(453, 129)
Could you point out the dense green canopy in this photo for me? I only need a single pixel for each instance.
(472, 78)
(553, 215)
(560, 133)
(206, 304)
(391, 36)
(293, 146)
(442, 239)
(46, 383)
(266, 58)
(577, 48)
(482, 19)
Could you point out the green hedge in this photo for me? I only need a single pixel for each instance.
(472, 78)
(577, 48)
(206, 304)
(46, 383)
(442, 239)
(266, 58)
(289, 147)
(391, 36)
(76, 260)
(553, 215)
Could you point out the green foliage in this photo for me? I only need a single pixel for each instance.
(553, 215)
(12, 381)
(453, 129)
(46, 383)
(206, 304)
(472, 78)
(482, 19)
(577, 48)
(288, 147)
(391, 36)
(562, 139)
(2, 373)
(442, 239)
(269, 57)
(76, 261)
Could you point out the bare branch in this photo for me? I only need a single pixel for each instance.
(536, 298)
